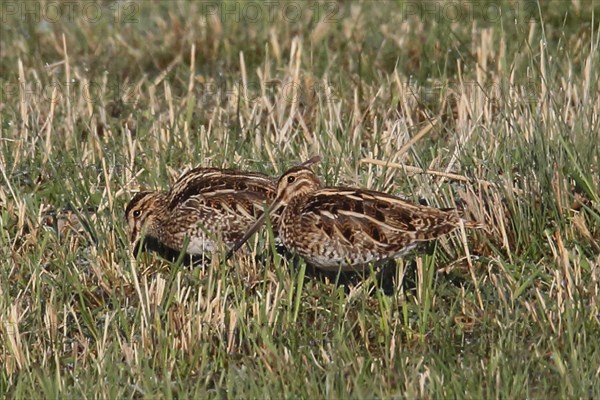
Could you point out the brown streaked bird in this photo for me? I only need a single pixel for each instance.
(343, 228)
(204, 208)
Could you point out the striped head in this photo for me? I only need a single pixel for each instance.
(296, 182)
(143, 213)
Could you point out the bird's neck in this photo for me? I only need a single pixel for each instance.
(160, 215)
(295, 204)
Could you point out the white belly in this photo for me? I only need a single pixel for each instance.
(200, 245)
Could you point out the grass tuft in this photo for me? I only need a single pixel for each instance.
(489, 107)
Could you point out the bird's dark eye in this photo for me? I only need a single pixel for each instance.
(291, 179)
(137, 213)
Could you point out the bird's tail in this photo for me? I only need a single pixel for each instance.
(473, 224)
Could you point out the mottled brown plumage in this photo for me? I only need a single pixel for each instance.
(333, 227)
(203, 208)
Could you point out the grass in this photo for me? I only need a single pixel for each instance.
(500, 111)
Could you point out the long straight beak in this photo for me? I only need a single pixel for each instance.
(133, 236)
(276, 205)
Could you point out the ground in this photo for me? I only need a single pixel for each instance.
(489, 106)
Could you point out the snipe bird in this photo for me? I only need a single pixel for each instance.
(204, 208)
(344, 228)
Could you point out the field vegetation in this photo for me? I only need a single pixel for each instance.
(490, 106)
